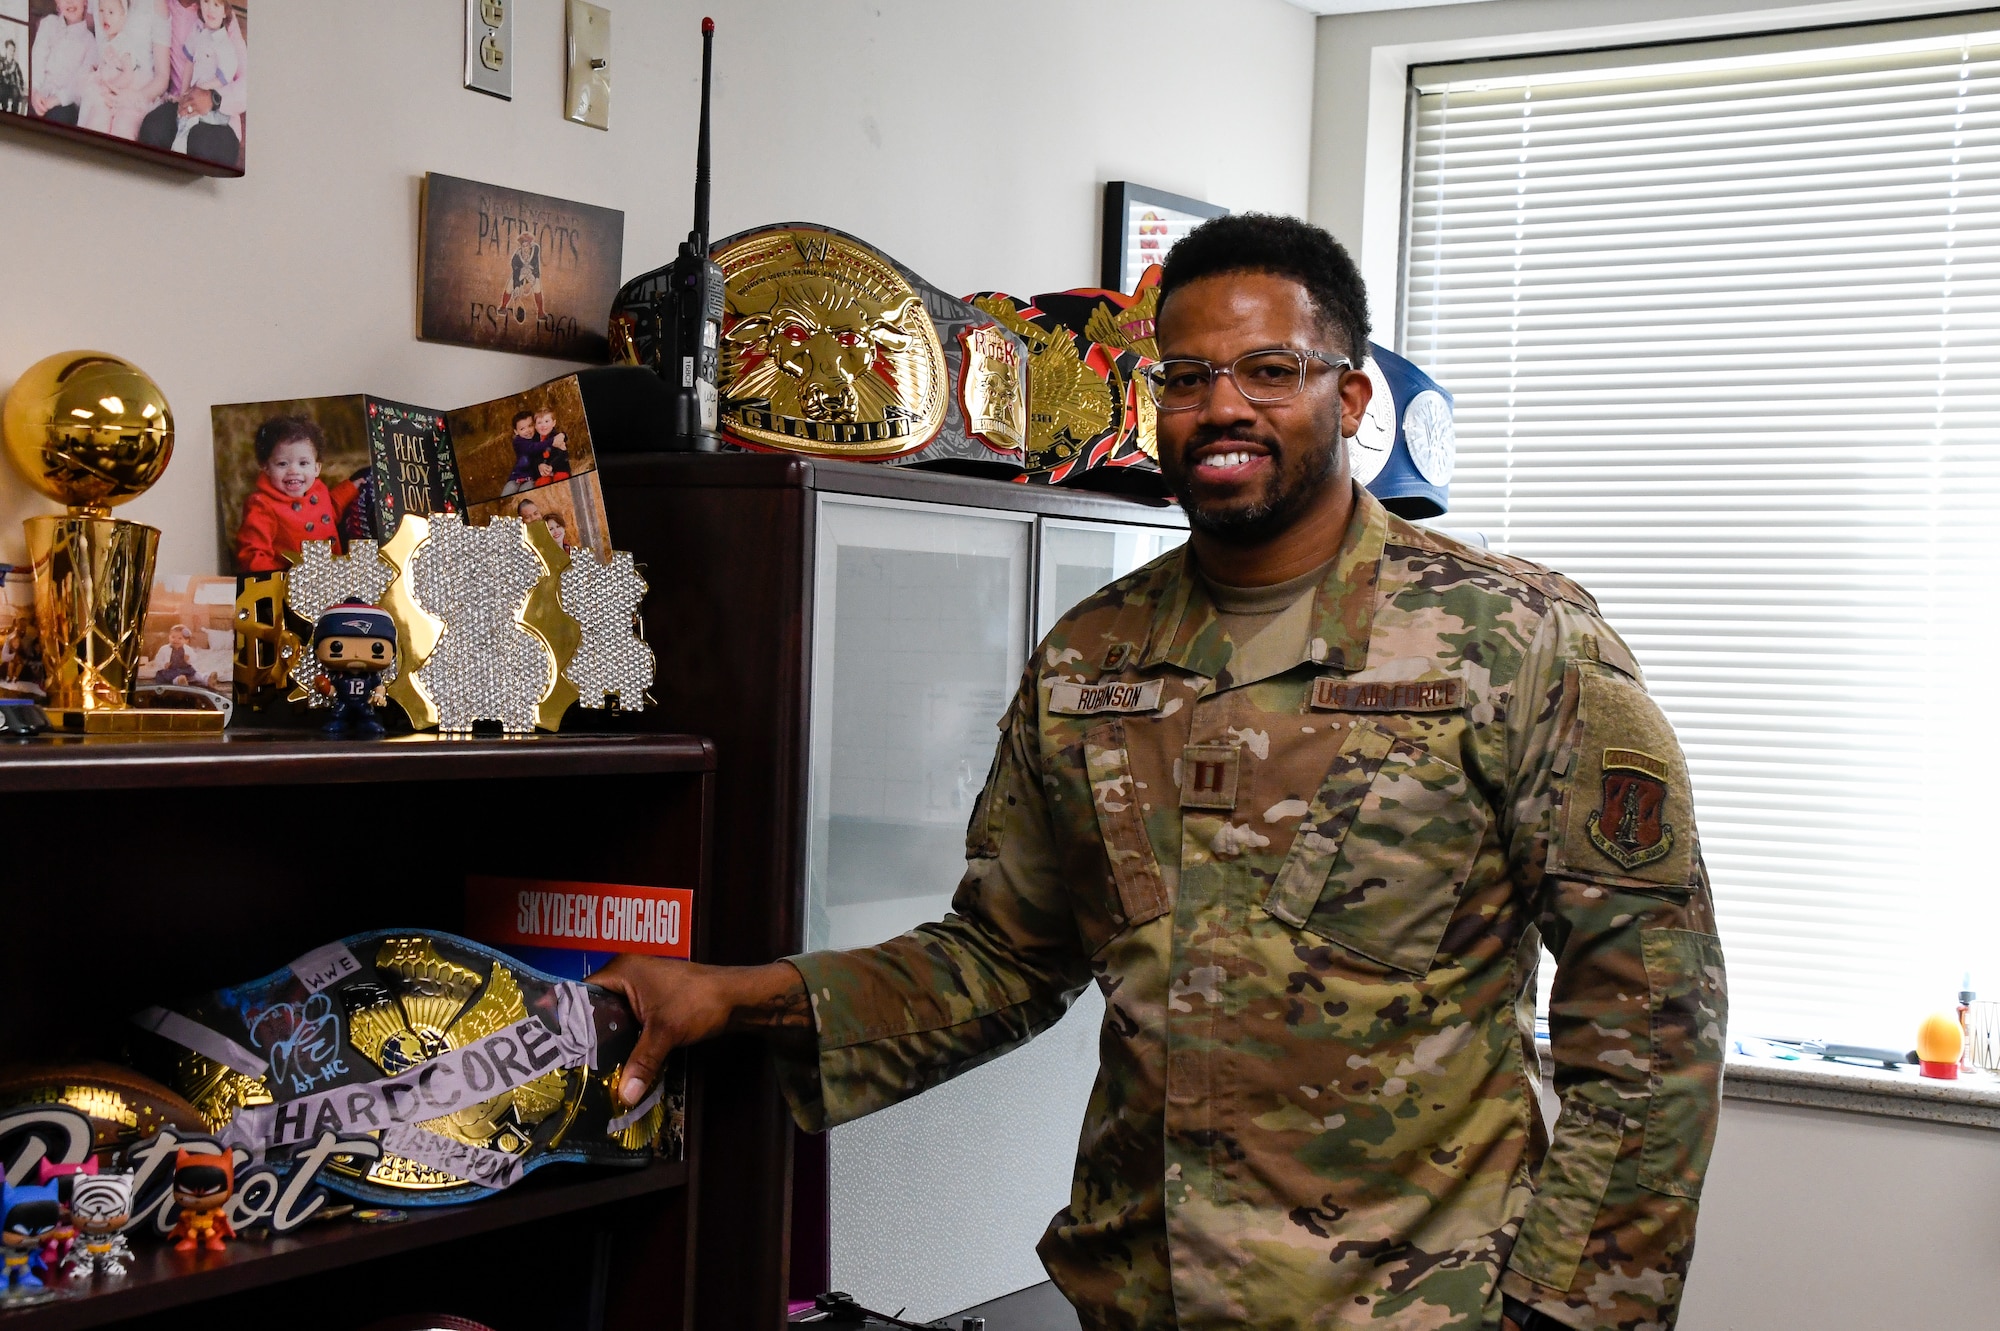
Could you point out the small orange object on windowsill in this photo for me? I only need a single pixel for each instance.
(1939, 1043)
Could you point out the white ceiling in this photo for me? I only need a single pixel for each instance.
(1365, 6)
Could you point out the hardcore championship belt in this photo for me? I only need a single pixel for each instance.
(469, 1068)
(827, 348)
(1091, 423)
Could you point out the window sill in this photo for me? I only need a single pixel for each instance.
(1973, 1101)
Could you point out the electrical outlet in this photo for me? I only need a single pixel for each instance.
(489, 47)
(588, 101)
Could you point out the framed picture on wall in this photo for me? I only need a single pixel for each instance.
(1141, 225)
(514, 271)
(166, 80)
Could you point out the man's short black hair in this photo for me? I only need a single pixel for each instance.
(1282, 247)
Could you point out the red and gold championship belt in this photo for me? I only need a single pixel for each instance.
(1091, 423)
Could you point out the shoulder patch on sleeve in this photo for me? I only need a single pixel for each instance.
(1606, 648)
(1628, 811)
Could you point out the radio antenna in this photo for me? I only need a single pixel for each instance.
(698, 238)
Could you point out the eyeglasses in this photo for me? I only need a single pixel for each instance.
(1272, 375)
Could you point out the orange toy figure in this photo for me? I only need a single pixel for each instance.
(202, 1186)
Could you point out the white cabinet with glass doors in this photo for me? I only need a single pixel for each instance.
(922, 616)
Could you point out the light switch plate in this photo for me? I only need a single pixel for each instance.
(588, 99)
(489, 47)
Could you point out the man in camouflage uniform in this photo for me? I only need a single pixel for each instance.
(1304, 801)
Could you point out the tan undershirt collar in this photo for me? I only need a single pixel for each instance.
(1267, 627)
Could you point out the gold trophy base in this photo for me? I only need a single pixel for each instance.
(134, 721)
(92, 577)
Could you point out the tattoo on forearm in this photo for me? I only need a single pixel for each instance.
(789, 1011)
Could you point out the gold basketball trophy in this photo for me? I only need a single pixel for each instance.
(90, 430)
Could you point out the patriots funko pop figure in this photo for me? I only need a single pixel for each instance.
(202, 1185)
(29, 1214)
(355, 645)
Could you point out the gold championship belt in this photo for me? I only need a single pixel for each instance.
(1071, 406)
(826, 348)
(993, 389)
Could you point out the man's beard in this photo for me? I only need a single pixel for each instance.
(1270, 513)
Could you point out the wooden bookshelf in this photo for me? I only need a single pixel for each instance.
(181, 865)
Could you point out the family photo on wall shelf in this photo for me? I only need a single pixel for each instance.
(172, 76)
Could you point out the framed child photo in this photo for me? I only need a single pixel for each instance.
(21, 672)
(164, 80)
(287, 473)
(187, 652)
(529, 456)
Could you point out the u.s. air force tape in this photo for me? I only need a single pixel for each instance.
(210, 1044)
(456, 1079)
(1333, 694)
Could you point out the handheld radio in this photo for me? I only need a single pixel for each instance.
(670, 320)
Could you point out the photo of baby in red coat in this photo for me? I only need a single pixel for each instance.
(285, 474)
(291, 504)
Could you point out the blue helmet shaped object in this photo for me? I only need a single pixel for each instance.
(354, 618)
(1406, 445)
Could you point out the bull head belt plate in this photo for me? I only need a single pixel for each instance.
(827, 348)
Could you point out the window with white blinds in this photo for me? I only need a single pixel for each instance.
(1723, 326)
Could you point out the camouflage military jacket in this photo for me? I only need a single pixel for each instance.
(1313, 894)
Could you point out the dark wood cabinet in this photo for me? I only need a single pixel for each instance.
(136, 871)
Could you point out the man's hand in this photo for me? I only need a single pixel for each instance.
(680, 1003)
